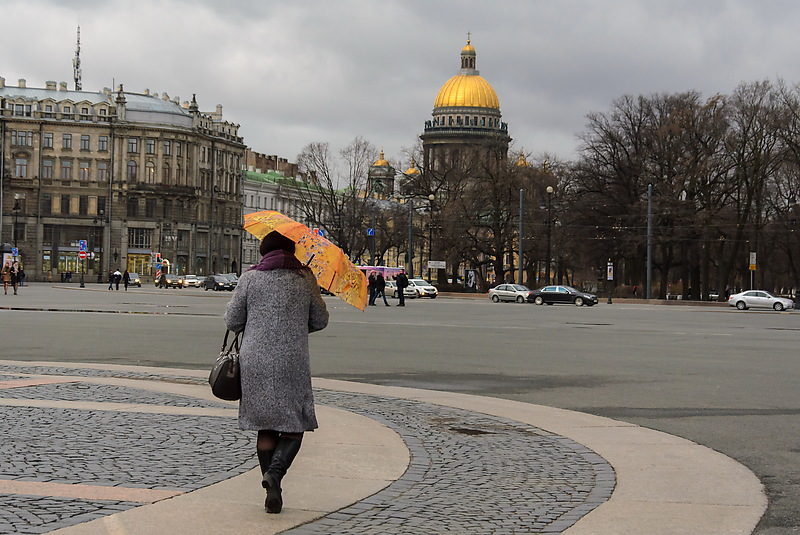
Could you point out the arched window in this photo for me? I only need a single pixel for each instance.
(150, 173)
(132, 171)
(179, 175)
(166, 174)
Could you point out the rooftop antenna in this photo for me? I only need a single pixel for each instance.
(76, 63)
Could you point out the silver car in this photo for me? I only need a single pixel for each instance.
(510, 292)
(422, 288)
(759, 299)
(392, 291)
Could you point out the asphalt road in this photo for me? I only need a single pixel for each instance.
(720, 377)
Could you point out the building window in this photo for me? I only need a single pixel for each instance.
(47, 169)
(101, 206)
(47, 141)
(47, 204)
(133, 207)
(66, 141)
(48, 111)
(67, 112)
(167, 209)
(83, 170)
(22, 139)
(150, 173)
(65, 204)
(133, 144)
(179, 175)
(83, 205)
(22, 110)
(166, 174)
(150, 146)
(66, 169)
(21, 167)
(178, 149)
(85, 114)
(102, 143)
(85, 141)
(150, 208)
(140, 238)
(167, 148)
(102, 171)
(131, 171)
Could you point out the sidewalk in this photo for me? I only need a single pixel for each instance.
(104, 449)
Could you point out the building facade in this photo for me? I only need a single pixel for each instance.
(130, 175)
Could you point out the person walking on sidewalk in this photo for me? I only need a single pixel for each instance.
(276, 304)
(6, 276)
(117, 278)
(15, 275)
(380, 289)
(110, 280)
(402, 284)
(126, 279)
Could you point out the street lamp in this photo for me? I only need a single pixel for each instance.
(431, 198)
(16, 210)
(339, 204)
(549, 191)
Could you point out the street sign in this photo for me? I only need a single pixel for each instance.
(82, 255)
(14, 251)
(90, 255)
(370, 232)
(610, 271)
(82, 245)
(437, 264)
(752, 261)
(321, 232)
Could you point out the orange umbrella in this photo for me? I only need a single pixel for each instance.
(330, 265)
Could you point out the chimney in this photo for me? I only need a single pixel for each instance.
(2, 82)
(62, 86)
(164, 96)
(50, 84)
(219, 110)
(22, 82)
(147, 92)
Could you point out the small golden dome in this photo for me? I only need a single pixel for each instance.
(522, 162)
(413, 169)
(468, 49)
(467, 90)
(381, 162)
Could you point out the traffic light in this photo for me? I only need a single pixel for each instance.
(158, 258)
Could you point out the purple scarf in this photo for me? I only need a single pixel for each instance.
(278, 259)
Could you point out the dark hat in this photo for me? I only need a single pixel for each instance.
(274, 241)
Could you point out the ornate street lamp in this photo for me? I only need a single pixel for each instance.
(549, 229)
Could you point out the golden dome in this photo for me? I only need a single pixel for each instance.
(413, 169)
(522, 162)
(380, 162)
(467, 90)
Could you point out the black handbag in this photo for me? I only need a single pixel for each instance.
(225, 377)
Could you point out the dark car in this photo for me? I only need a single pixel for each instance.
(231, 277)
(169, 280)
(562, 294)
(217, 283)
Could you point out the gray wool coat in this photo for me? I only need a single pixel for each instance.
(277, 309)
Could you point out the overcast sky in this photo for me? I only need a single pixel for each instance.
(294, 72)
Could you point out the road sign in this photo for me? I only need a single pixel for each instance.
(82, 255)
(82, 245)
(437, 264)
(752, 261)
(610, 271)
(321, 232)
(370, 232)
(14, 251)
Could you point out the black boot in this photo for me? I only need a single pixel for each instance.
(285, 452)
(264, 459)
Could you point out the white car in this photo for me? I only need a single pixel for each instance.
(759, 299)
(510, 292)
(392, 291)
(422, 288)
(192, 280)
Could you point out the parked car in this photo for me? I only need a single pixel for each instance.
(134, 280)
(217, 283)
(562, 294)
(192, 280)
(392, 291)
(169, 280)
(510, 292)
(759, 299)
(422, 288)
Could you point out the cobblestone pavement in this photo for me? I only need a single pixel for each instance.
(469, 472)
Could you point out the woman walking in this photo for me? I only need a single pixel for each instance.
(277, 303)
(6, 276)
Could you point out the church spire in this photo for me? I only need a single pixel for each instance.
(76, 63)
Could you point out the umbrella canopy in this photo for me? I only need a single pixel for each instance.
(330, 265)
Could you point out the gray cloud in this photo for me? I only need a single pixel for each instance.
(295, 72)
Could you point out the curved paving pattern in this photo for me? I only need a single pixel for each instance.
(469, 472)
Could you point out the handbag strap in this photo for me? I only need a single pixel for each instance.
(234, 342)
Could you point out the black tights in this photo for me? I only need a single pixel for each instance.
(268, 439)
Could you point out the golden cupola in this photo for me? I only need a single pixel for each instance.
(381, 162)
(467, 88)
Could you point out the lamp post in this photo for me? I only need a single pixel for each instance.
(431, 198)
(549, 190)
(16, 210)
(339, 204)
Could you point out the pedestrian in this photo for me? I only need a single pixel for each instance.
(372, 282)
(634, 290)
(6, 274)
(117, 279)
(110, 280)
(276, 304)
(380, 289)
(402, 284)
(21, 276)
(126, 279)
(69, 276)
(15, 275)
